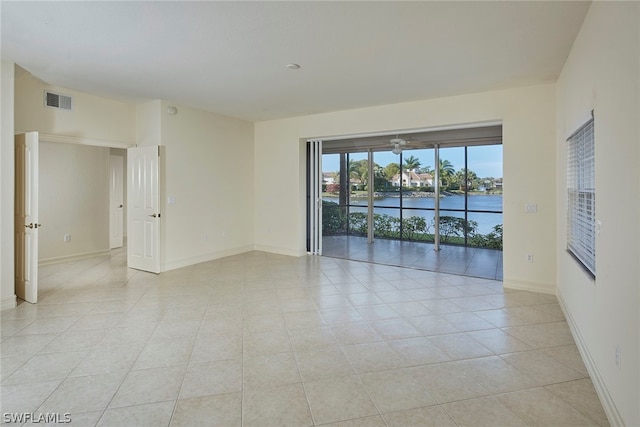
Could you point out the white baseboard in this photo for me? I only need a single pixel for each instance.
(545, 288)
(8, 303)
(75, 257)
(279, 251)
(185, 262)
(614, 417)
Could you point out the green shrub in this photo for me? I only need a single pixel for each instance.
(333, 220)
(493, 240)
(414, 227)
(385, 225)
(451, 226)
(358, 223)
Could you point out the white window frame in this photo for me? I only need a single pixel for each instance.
(581, 197)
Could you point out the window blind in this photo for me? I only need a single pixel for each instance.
(581, 224)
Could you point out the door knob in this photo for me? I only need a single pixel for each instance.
(120, 206)
(29, 225)
(155, 216)
(37, 225)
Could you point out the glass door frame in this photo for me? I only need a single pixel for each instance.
(488, 139)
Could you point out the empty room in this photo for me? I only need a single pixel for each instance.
(311, 213)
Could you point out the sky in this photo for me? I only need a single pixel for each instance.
(485, 161)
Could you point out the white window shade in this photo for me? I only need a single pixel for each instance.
(581, 196)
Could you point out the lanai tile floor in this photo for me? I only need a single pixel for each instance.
(266, 340)
(467, 261)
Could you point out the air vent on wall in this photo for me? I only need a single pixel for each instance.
(56, 100)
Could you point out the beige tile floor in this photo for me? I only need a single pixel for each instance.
(267, 340)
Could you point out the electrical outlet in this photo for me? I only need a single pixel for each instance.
(618, 356)
(531, 207)
(66, 238)
(529, 257)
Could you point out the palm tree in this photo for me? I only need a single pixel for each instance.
(446, 170)
(467, 180)
(411, 163)
(359, 169)
(426, 169)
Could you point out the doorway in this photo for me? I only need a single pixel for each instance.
(117, 198)
(74, 205)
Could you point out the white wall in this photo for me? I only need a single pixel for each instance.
(93, 117)
(602, 73)
(148, 123)
(7, 271)
(528, 118)
(73, 199)
(208, 169)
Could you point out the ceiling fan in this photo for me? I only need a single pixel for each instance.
(397, 144)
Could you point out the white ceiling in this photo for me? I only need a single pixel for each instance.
(231, 57)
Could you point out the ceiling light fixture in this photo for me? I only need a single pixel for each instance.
(397, 143)
(293, 66)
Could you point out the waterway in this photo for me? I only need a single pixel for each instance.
(413, 205)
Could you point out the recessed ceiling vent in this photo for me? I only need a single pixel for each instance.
(56, 100)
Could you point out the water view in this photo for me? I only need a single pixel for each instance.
(390, 206)
(473, 219)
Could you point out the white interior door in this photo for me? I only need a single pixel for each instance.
(116, 202)
(143, 208)
(26, 218)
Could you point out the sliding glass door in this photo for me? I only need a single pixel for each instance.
(404, 198)
(446, 193)
(345, 194)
